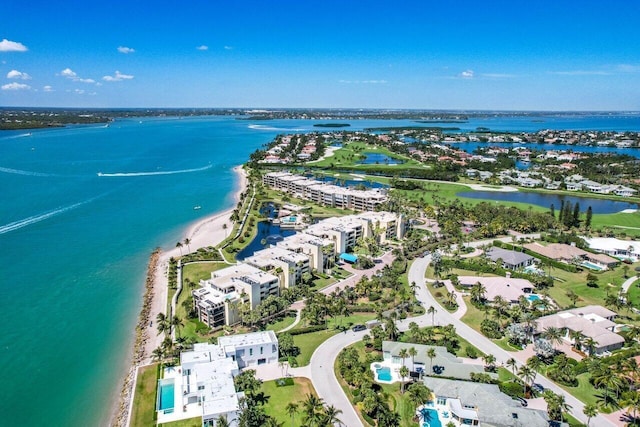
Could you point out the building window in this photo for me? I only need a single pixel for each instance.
(261, 350)
(200, 387)
(250, 352)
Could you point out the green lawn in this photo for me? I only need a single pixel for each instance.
(279, 397)
(144, 399)
(349, 156)
(309, 342)
(200, 270)
(401, 404)
(281, 324)
(191, 422)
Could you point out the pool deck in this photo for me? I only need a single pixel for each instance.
(442, 411)
(179, 413)
(394, 369)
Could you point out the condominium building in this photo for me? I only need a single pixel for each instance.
(289, 266)
(218, 298)
(252, 349)
(325, 194)
(316, 248)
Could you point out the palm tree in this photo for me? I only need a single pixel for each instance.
(330, 416)
(432, 311)
(513, 364)
(528, 375)
(404, 372)
(177, 323)
(418, 394)
(291, 409)
(490, 360)
(222, 422)
(157, 354)
(187, 241)
(577, 337)
(312, 406)
(431, 354)
(179, 245)
(413, 353)
(225, 227)
(553, 334)
(590, 410)
(162, 323)
(590, 344)
(404, 353)
(632, 403)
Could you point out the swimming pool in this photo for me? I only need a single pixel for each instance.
(166, 395)
(591, 266)
(533, 297)
(291, 219)
(383, 373)
(430, 418)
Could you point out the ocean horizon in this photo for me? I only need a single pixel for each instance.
(84, 208)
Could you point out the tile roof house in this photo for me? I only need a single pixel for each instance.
(510, 259)
(593, 321)
(483, 404)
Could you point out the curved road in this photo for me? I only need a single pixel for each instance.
(323, 359)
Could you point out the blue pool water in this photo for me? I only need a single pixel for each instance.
(166, 396)
(430, 418)
(292, 219)
(533, 297)
(383, 373)
(591, 266)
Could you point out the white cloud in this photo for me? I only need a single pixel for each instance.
(84, 80)
(9, 46)
(79, 91)
(117, 77)
(68, 73)
(467, 74)
(203, 47)
(228, 48)
(124, 49)
(48, 89)
(15, 74)
(15, 86)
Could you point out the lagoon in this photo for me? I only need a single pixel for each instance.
(599, 206)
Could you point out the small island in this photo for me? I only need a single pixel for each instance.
(331, 125)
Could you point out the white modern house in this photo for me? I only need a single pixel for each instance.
(624, 249)
(202, 385)
(251, 349)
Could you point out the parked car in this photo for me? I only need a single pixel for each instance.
(358, 328)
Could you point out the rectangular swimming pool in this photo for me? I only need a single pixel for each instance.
(591, 266)
(166, 397)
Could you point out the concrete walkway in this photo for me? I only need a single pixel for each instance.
(627, 283)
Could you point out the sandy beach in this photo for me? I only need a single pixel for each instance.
(208, 231)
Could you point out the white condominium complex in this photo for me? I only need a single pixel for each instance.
(325, 194)
(289, 266)
(217, 300)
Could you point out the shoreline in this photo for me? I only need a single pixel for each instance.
(207, 231)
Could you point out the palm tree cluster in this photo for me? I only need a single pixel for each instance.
(369, 397)
(444, 336)
(490, 219)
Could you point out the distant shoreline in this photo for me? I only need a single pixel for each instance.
(207, 231)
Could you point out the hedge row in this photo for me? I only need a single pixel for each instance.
(308, 330)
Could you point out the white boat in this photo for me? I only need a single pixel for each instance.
(195, 208)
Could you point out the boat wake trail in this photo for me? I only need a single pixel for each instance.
(263, 127)
(40, 217)
(27, 173)
(119, 174)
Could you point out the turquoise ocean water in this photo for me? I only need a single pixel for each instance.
(74, 245)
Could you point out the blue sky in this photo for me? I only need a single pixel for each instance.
(543, 55)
